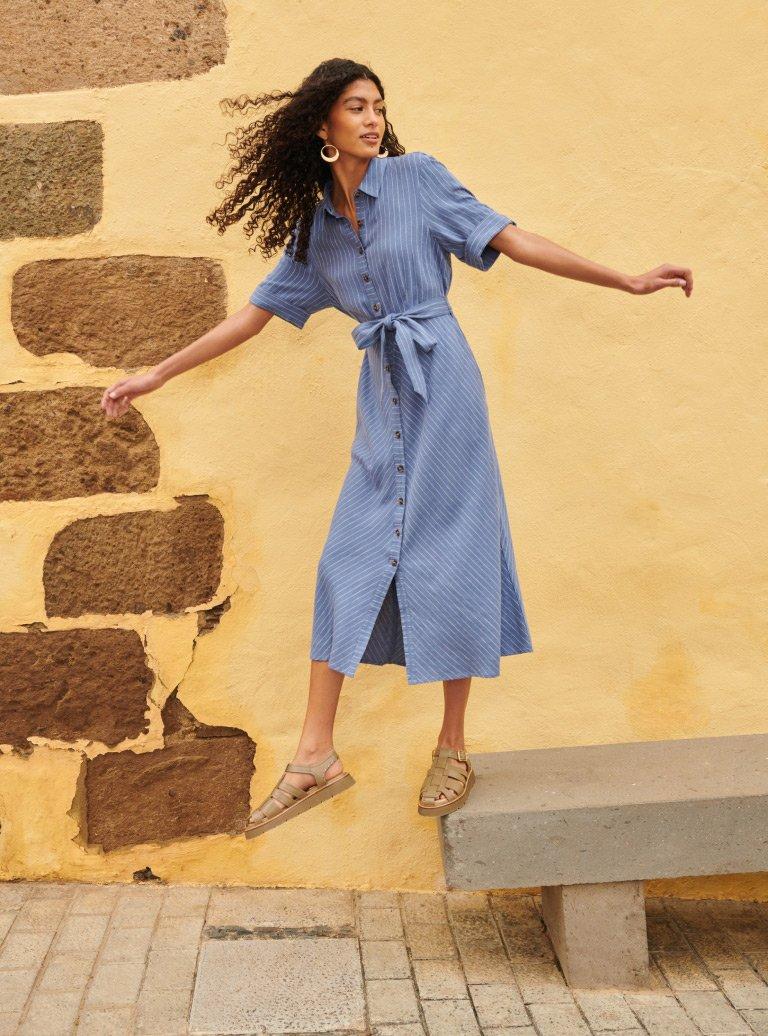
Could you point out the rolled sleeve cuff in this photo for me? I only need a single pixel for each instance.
(295, 315)
(478, 252)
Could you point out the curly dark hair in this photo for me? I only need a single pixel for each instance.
(278, 162)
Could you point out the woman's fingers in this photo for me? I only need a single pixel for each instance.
(109, 396)
(676, 282)
(118, 397)
(666, 276)
(115, 400)
(678, 277)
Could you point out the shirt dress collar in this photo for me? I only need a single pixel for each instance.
(370, 184)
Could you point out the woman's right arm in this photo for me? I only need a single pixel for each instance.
(232, 331)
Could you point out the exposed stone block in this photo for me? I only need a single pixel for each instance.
(69, 44)
(59, 444)
(159, 561)
(50, 173)
(72, 684)
(198, 784)
(125, 311)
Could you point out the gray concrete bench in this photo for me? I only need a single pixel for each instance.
(590, 824)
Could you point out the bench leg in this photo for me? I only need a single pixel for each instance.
(599, 933)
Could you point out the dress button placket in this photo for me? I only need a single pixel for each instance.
(399, 454)
(375, 304)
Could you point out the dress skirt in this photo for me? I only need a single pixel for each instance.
(451, 606)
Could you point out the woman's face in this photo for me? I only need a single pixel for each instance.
(355, 123)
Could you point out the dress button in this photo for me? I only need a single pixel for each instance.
(376, 307)
(400, 500)
(397, 435)
(397, 532)
(366, 277)
(394, 399)
(400, 467)
(393, 561)
(387, 366)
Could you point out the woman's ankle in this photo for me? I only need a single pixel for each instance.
(313, 753)
(447, 741)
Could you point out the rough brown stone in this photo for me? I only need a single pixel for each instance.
(209, 619)
(71, 684)
(59, 444)
(50, 175)
(159, 561)
(125, 311)
(71, 44)
(198, 784)
(180, 725)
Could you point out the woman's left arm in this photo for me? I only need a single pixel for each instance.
(534, 250)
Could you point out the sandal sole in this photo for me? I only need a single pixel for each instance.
(312, 798)
(449, 807)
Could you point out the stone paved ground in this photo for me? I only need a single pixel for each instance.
(155, 960)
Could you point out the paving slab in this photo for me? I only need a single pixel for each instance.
(498, 1005)
(281, 908)
(712, 1013)
(440, 980)
(392, 1001)
(386, 958)
(52, 1014)
(430, 941)
(293, 985)
(450, 1016)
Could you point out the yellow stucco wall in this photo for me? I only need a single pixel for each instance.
(631, 431)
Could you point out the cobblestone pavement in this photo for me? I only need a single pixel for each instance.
(154, 959)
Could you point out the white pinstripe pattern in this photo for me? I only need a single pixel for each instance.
(418, 568)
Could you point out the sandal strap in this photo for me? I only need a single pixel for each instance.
(443, 782)
(287, 793)
(444, 776)
(444, 752)
(316, 769)
(282, 795)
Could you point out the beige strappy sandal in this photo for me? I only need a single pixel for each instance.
(287, 800)
(446, 777)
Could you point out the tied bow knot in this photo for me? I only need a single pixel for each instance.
(409, 335)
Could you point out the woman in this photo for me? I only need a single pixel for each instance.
(418, 568)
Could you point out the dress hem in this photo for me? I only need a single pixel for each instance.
(373, 610)
(431, 679)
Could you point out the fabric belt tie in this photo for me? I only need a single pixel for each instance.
(409, 334)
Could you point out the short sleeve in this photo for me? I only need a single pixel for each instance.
(292, 290)
(461, 223)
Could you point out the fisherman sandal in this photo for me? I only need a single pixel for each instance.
(446, 777)
(287, 800)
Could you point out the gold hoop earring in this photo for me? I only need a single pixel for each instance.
(386, 152)
(325, 157)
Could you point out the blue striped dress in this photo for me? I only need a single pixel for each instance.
(418, 567)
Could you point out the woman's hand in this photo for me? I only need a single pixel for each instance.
(118, 397)
(665, 276)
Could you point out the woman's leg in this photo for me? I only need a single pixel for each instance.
(456, 695)
(315, 742)
(316, 739)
